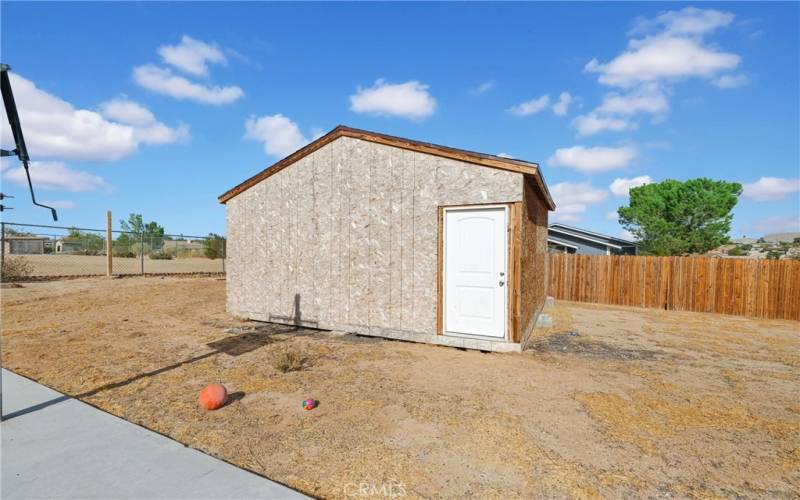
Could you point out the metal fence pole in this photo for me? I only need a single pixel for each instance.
(3, 249)
(141, 251)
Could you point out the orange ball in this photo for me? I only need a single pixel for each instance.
(213, 396)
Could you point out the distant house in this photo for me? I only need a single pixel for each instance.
(23, 245)
(68, 246)
(567, 239)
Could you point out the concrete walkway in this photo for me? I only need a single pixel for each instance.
(54, 446)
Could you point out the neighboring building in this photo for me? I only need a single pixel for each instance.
(68, 246)
(378, 235)
(567, 239)
(23, 245)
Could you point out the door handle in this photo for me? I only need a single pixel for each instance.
(502, 282)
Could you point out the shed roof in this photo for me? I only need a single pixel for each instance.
(590, 235)
(486, 160)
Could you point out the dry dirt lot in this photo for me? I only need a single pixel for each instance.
(639, 403)
(71, 265)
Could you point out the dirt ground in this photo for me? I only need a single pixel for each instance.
(71, 265)
(638, 403)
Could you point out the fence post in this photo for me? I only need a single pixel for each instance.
(109, 257)
(141, 252)
(2, 248)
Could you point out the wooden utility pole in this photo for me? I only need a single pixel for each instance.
(109, 258)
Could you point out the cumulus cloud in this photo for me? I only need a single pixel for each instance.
(531, 107)
(646, 99)
(621, 186)
(280, 135)
(573, 198)
(663, 58)
(770, 188)
(595, 159)
(505, 155)
(561, 107)
(54, 128)
(164, 81)
(55, 175)
(612, 215)
(482, 88)
(407, 100)
(662, 51)
(730, 81)
(688, 21)
(192, 56)
(145, 126)
(593, 123)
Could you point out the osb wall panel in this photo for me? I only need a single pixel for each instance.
(533, 288)
(346, 238)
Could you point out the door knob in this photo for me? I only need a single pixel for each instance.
(502, 282)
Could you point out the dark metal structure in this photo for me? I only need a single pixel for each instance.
(20, 150)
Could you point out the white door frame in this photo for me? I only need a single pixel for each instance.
(443, 283)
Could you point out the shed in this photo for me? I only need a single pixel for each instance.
(378, 235)
(24, 244)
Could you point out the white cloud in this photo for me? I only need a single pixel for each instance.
(60, 204)
(572, 199)
(663, 58)
(612, 215)
(596, 159)
(646, 99)
(689, 21)
(482, 88)
(561, 107)
(54, 128)
(408, 100)
(163, 81)
(627, 235)
(145, 126)
(505, 155)
(280, 135)
(192, 56)
(531, 107)
(592, 123)
(621, 186)
(770, 188)
(55, 175)
(730, 81)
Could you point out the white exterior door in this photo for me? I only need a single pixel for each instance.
(475, 271)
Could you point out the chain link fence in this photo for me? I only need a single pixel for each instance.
(31, 251)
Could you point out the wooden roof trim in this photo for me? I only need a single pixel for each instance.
(508, 164)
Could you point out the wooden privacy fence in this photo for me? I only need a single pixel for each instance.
(744, 287)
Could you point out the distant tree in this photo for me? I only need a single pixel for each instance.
(90, 243)
(796, 241)
(774, 254)
(152, 233)
(214, 246)
(677, 218)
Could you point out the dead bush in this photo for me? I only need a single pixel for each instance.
(15, 269)
(288, 360)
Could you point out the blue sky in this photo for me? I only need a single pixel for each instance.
(159, 108)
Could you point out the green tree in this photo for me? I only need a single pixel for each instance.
(677, 218)
(214, 246)
(152, 233)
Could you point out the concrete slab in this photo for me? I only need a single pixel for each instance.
(54, 446)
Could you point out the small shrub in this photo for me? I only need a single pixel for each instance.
(123, 253)
(288, 360)
(736, 252)
(87, 251)
(774, 255)
(15, 269)
(161, 256)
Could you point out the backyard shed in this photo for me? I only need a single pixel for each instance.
(378, 235)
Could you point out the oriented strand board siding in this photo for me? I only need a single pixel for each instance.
(534, 257)
(348, 235)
